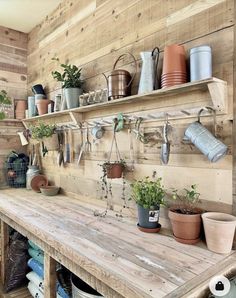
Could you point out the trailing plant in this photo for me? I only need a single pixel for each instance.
(148, 193)
(42, 130)
(70, 77)
(5, 100)
(187, 199)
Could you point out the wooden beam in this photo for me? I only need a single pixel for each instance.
(4, 249)
(234, 123)
(49, 277)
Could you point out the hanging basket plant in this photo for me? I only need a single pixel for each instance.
(114, 169)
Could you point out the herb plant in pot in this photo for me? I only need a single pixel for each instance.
(149, 195)
(185, 217)
(71, 83)
(46, 134)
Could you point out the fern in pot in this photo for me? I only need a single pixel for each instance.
(149, 195)
(71, 83)
(46, 133)
(184, 215)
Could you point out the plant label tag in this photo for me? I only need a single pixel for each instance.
(153, 215)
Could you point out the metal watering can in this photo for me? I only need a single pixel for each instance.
(148, 78)
(204, 140)
(120, 80)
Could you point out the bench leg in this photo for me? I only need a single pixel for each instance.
(4, 249)
(49, 277)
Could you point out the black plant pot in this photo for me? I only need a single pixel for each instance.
(38, 89)
(148, 218)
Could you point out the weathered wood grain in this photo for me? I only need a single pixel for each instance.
(94, 42)
(113, 251)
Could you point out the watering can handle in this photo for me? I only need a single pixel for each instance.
(155, 55)
(213, 113)
(136, 67)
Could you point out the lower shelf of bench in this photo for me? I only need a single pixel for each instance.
(19, 293)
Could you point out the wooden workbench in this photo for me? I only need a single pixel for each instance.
(111, 255)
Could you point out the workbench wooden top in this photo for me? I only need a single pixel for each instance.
(132, 263)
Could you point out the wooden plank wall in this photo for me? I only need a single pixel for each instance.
(92, 34)
(13, 63)
(9, 140)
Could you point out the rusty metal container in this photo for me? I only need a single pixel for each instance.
(120, 80)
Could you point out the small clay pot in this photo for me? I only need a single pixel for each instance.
(38, 181)
(186, 227)
(219, 231)
(114, 170)
(49, 190)
(42, 106)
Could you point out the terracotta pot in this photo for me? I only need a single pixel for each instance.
(38, 181)
(174, 59)
(186, 227)
(114, 170)
(174, 73)
(51, 142)
(42, 106)
(174, 77)
(170, 85)
(21, 107)
(173, 81)
(219, 231)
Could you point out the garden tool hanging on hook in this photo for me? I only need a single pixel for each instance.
(139, 135)
(165, 147)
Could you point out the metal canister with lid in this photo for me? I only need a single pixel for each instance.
(200, 63)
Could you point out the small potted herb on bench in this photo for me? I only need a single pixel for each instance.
(185, 217)
(149, 196)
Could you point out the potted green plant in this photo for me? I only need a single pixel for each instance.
(5, 102)
(46, 134)
(71, 83)
(149, 195)
(114, 169)
(185, 217)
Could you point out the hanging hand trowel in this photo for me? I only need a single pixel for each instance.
(165, 147)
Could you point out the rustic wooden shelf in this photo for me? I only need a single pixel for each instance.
(213, 87)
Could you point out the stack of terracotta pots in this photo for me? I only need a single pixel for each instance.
(20, 108)
(174, 66)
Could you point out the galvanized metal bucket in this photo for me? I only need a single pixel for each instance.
(204, 140)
